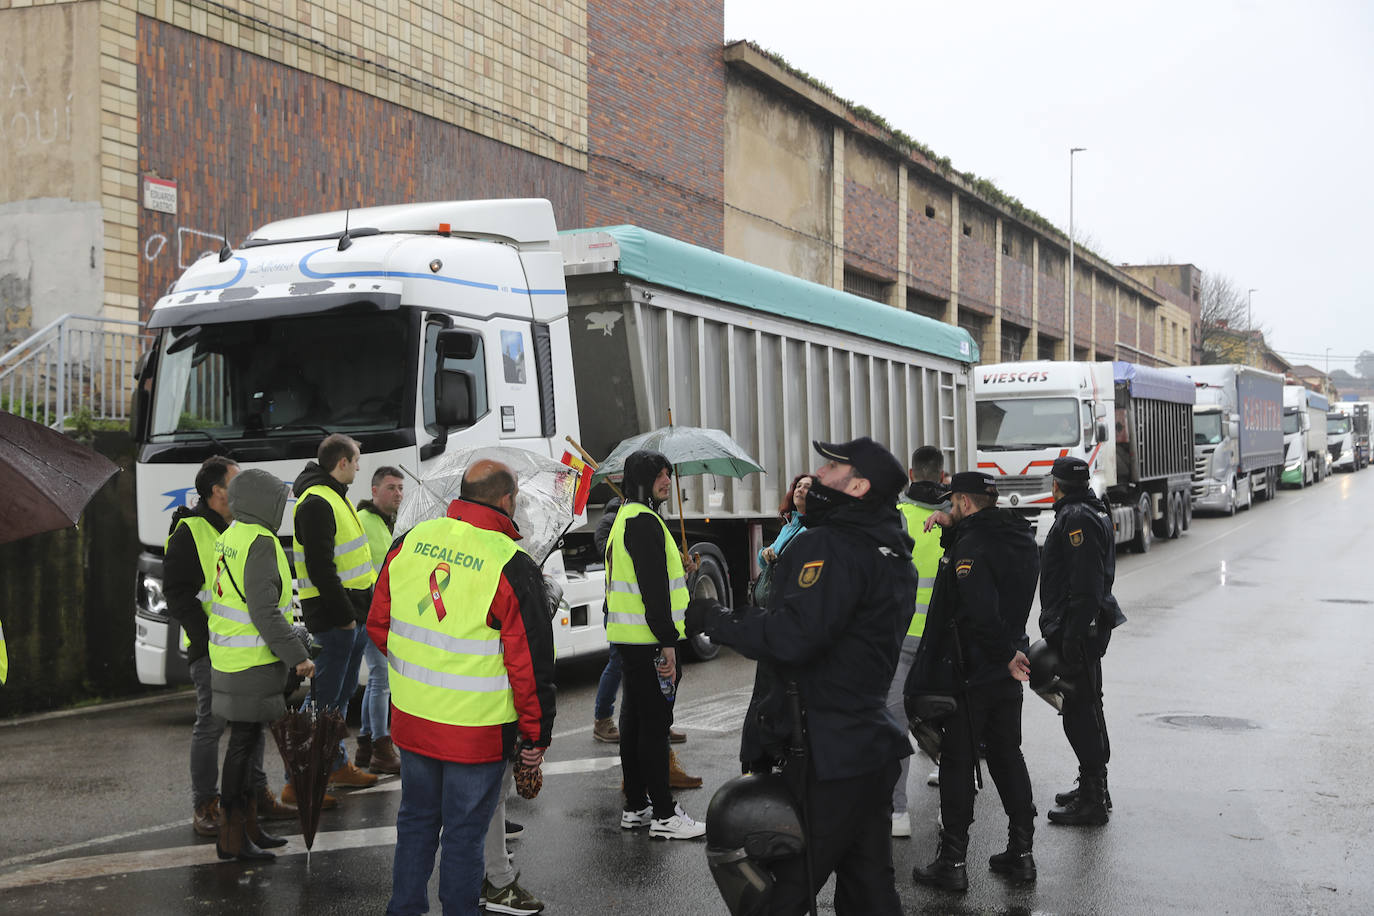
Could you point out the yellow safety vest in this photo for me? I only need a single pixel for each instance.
(235, 643)
(352, 556)
(626, 621)
(205, 536)
(446, 664)
(925, 556)
(378, 537)
(4, 658)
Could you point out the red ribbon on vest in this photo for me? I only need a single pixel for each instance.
(436, 586)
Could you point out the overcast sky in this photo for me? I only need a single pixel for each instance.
(1233, 135)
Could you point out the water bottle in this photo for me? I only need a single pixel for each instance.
(665, 683)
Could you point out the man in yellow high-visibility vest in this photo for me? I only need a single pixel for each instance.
(461, 613)
(646, 602)
(334, 578)
(925, 496)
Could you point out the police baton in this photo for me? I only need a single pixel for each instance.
(797, 751)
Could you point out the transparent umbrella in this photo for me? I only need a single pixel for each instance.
(690, 449)
(543, 508)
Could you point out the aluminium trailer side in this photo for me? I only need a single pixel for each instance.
(775, 361)
(1154, 434)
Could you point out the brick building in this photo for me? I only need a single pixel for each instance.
(245, 111)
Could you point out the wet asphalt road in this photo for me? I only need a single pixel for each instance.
(1236, 698)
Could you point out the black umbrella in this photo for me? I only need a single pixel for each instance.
(308, 739)
(46, 477)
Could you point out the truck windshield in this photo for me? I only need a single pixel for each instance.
(338, 373)
(1206, 428)
(1290, 421)
(1023, 423)
(1337, 424)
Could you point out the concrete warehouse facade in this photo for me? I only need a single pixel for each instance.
(137, 134)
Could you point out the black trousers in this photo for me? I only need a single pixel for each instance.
(645, 715)
(236, 779)
(1084, 724)
(850, 835)
(995, 710)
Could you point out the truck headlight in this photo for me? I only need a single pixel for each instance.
(150, 597)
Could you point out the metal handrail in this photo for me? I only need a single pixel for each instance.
(64, 367)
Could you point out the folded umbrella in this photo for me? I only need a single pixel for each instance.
(308, 739)
(46, 477)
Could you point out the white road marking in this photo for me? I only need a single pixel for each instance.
(120, 863)
(86, 844)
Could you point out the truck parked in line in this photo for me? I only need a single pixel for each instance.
(1304, 436)
(1237, 435)
(1133, 425)
(1347, 435)
(424, 328)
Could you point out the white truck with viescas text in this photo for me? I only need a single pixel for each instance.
(1131, 424)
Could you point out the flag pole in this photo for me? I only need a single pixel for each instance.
(591, 463)
(677, 484)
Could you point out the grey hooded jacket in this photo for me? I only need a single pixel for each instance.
(255, 694)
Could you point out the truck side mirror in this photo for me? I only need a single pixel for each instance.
(1102, 433)
(456, 343)
(453, 398)
(1233, 429)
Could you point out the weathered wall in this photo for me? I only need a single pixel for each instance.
(777, 180)
(656, 135)
(66, 600)
(228, 126)
(927, 236)
(51, 231)
(870, 210)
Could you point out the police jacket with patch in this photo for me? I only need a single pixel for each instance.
(183, 577)
(1078, 567)
(983, 592)
(520, 610)
(840, 605)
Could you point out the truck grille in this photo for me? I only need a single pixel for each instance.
(1023, 485)
(1200, 465)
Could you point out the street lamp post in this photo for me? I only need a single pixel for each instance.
(1069, 336)
(1249, 327)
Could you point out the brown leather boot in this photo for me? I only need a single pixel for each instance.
(269, 809)
(604, 730)
(384, 758)
(233, 842)
(677, 776)
(288, 797)
(363, 757)
(350, 777)
(253, 830)
(205, 819)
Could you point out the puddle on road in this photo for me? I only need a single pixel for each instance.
(1214, 723)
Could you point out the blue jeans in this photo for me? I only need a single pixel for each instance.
(459, 799)
(336, 671)
(609, 686)
(377, 694)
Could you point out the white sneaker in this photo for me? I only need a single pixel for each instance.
(901, 824)
(934, 778)
(678, 827)
(629, 820)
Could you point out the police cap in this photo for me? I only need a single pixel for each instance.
(1070, 470)
(871, 461)
(976, 483)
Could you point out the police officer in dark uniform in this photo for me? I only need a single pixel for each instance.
(1077, 616)
(842, 600)
(974, 649)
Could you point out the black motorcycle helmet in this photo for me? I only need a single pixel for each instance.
(1044, 675)
(751, 822)
(641, 470)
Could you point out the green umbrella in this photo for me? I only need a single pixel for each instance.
(691, 450)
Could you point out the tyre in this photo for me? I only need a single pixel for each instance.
(1164, 525)
(1249, 493)
(1187, 511)
(1231, 506)
(1144, 533)
(1176, 529)
(707, 582)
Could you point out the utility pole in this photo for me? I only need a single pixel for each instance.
(1069, 337)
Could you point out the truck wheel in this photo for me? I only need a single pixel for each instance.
(1144, 525)
(709, 582)
(1231, 506)
(1176, 528)
(1187, 511)
(1164, 525)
